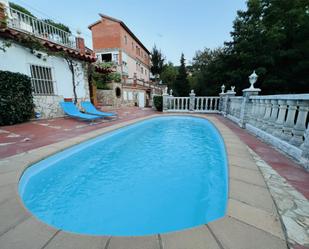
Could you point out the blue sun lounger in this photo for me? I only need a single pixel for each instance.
(90, 108)
(70, 109)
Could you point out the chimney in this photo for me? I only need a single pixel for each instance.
(80, 44)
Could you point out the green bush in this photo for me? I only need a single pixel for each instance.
(158, 102)
(16, 101)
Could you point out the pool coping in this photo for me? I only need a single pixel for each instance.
(251, 214)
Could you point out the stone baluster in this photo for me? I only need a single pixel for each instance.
(274, 116)
(254, 112)
(289, 123)
(305, 150)
(281, 118)
(300, 127)
(261, 113)
(267, 114)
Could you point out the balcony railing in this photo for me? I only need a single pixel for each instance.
(29, 24)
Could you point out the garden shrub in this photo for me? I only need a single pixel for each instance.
(16, 100)
(158, 102)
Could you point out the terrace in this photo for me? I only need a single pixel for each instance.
(31, 25)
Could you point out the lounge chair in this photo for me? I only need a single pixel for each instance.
(70, 109)
(90, 108)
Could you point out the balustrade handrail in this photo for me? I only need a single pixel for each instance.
(29, 24)
(283, 96)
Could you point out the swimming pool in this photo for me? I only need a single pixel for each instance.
(160, 175)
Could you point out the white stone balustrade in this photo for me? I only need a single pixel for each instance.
(281, 120)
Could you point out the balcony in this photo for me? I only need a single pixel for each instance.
(31, 25)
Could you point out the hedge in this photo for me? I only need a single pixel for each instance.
(158, 102)
(16, 100)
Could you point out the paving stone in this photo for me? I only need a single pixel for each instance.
(145, 242)
(30, 234)
(243, 163)
(197, 238)
(253, 195)
(234, 234)
(12, 213)
(269, 222)
(9, 178)
(7, 192)
(74, 241)
(247, 175)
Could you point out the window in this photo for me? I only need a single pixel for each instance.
(106, 57)
(42, 80)
(115, 58)
(132, 46)
(142, 69)
(125, 40)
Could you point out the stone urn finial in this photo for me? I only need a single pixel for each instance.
(165, 90)
(232, 88)
(222, 88)
(171, 92)
(252, 79)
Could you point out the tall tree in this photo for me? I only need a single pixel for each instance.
(270, 36)
(181, 85)
(157, 60)
(169, 74)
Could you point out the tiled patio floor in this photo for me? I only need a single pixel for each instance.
(27, 136)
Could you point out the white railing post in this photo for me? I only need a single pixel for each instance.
(192, 101)
(300, 127)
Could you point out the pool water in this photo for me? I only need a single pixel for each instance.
(160, 175)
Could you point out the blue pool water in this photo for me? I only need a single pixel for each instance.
(160, 175)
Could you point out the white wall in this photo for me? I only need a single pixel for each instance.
(18, 59)
(131, 65)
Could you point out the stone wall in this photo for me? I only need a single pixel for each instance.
(105, 97)
(48, 106)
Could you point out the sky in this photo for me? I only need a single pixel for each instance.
(174, 26)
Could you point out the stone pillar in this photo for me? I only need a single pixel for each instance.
(192, 100)
(274, 116)
(267, 114)
(289, 123)
(281, 118)
(222, 103)
(165, 97)
(246, 106)
(228, 95)
(300, 127)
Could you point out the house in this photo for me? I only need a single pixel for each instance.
(114, 42)
(30, 43)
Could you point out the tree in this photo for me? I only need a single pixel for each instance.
(157, 60)
(271, 37)
(169, 74)
(181, 85)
